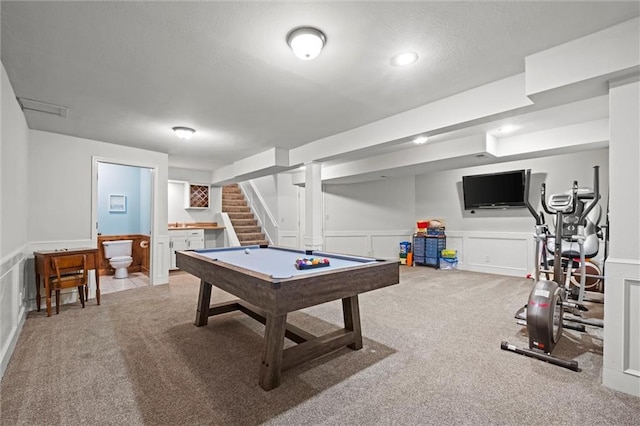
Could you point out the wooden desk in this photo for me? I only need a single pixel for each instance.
(44, 270)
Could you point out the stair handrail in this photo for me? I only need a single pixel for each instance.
(230, 233)
(260, 210)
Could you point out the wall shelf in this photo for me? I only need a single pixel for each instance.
(197, 196)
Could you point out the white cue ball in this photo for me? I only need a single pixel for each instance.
(247, 251)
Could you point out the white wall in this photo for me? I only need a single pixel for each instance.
(60, 212)
(288, 212)
(14, 194)
(267, 186)
(190, 175)
(14, 171)
(621, 369)
(500, 241)
(369, 219)
(177, 191)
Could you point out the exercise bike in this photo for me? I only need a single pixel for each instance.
(549, 299)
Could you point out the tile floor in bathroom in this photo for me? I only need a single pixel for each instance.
(108, 284)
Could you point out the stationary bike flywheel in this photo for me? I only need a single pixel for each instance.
(544, 316)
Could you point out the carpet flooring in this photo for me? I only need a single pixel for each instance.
(431, 355)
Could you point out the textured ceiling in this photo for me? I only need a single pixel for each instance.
(129, 71)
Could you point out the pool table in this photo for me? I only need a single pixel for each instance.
(269, 285)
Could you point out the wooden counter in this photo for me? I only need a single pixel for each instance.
(194, 225)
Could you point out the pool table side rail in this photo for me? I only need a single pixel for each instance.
(282, 295)
(251, 288)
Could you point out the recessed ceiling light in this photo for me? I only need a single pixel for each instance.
(403, 59)
(184, 132)
(507, 129)
(420, 140)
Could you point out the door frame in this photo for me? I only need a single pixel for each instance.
(94, 202)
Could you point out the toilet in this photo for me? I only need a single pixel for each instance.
(119, 255)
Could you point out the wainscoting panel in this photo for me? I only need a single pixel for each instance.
(357, 245)
(505, 253)
(139, 253)
(382, 244)
(387, 246)
(288, 239)
(497, 252)
(632, 326)
(13, 303)
(621, 360)
(161, 260)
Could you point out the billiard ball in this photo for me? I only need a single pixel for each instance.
(247, 251)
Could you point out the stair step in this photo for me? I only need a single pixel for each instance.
(236, 209)
(242, 219)
(232, 196)
(228, 203)
(243, 222)
(251, 229)
(254, 243)
(240, 216)
(252, 236)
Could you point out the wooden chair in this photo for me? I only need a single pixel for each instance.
(71, 271)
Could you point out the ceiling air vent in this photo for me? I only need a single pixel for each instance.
(31, 105)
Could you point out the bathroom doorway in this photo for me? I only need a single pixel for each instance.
(123, 211)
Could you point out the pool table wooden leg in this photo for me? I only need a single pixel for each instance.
(204, 300)
(271, 366)
(351, 312)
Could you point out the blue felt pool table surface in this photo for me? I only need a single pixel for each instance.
(279, 262)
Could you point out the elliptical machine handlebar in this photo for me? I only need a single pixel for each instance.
(596, 194)
(527, 184)
(543, 190)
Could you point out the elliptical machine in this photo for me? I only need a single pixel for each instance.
(548, 299)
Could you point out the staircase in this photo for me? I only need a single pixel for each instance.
(244, 223)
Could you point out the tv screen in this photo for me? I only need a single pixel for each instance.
(494, 190)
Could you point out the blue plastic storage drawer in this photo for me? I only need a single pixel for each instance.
(435, 246)
(424, 260)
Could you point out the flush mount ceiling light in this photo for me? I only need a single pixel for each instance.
(184, 132)
(420, 140)
(306, 42)
(403, 59)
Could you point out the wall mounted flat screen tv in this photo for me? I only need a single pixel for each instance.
(494, 190)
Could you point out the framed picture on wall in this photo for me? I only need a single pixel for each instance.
(117, 203)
